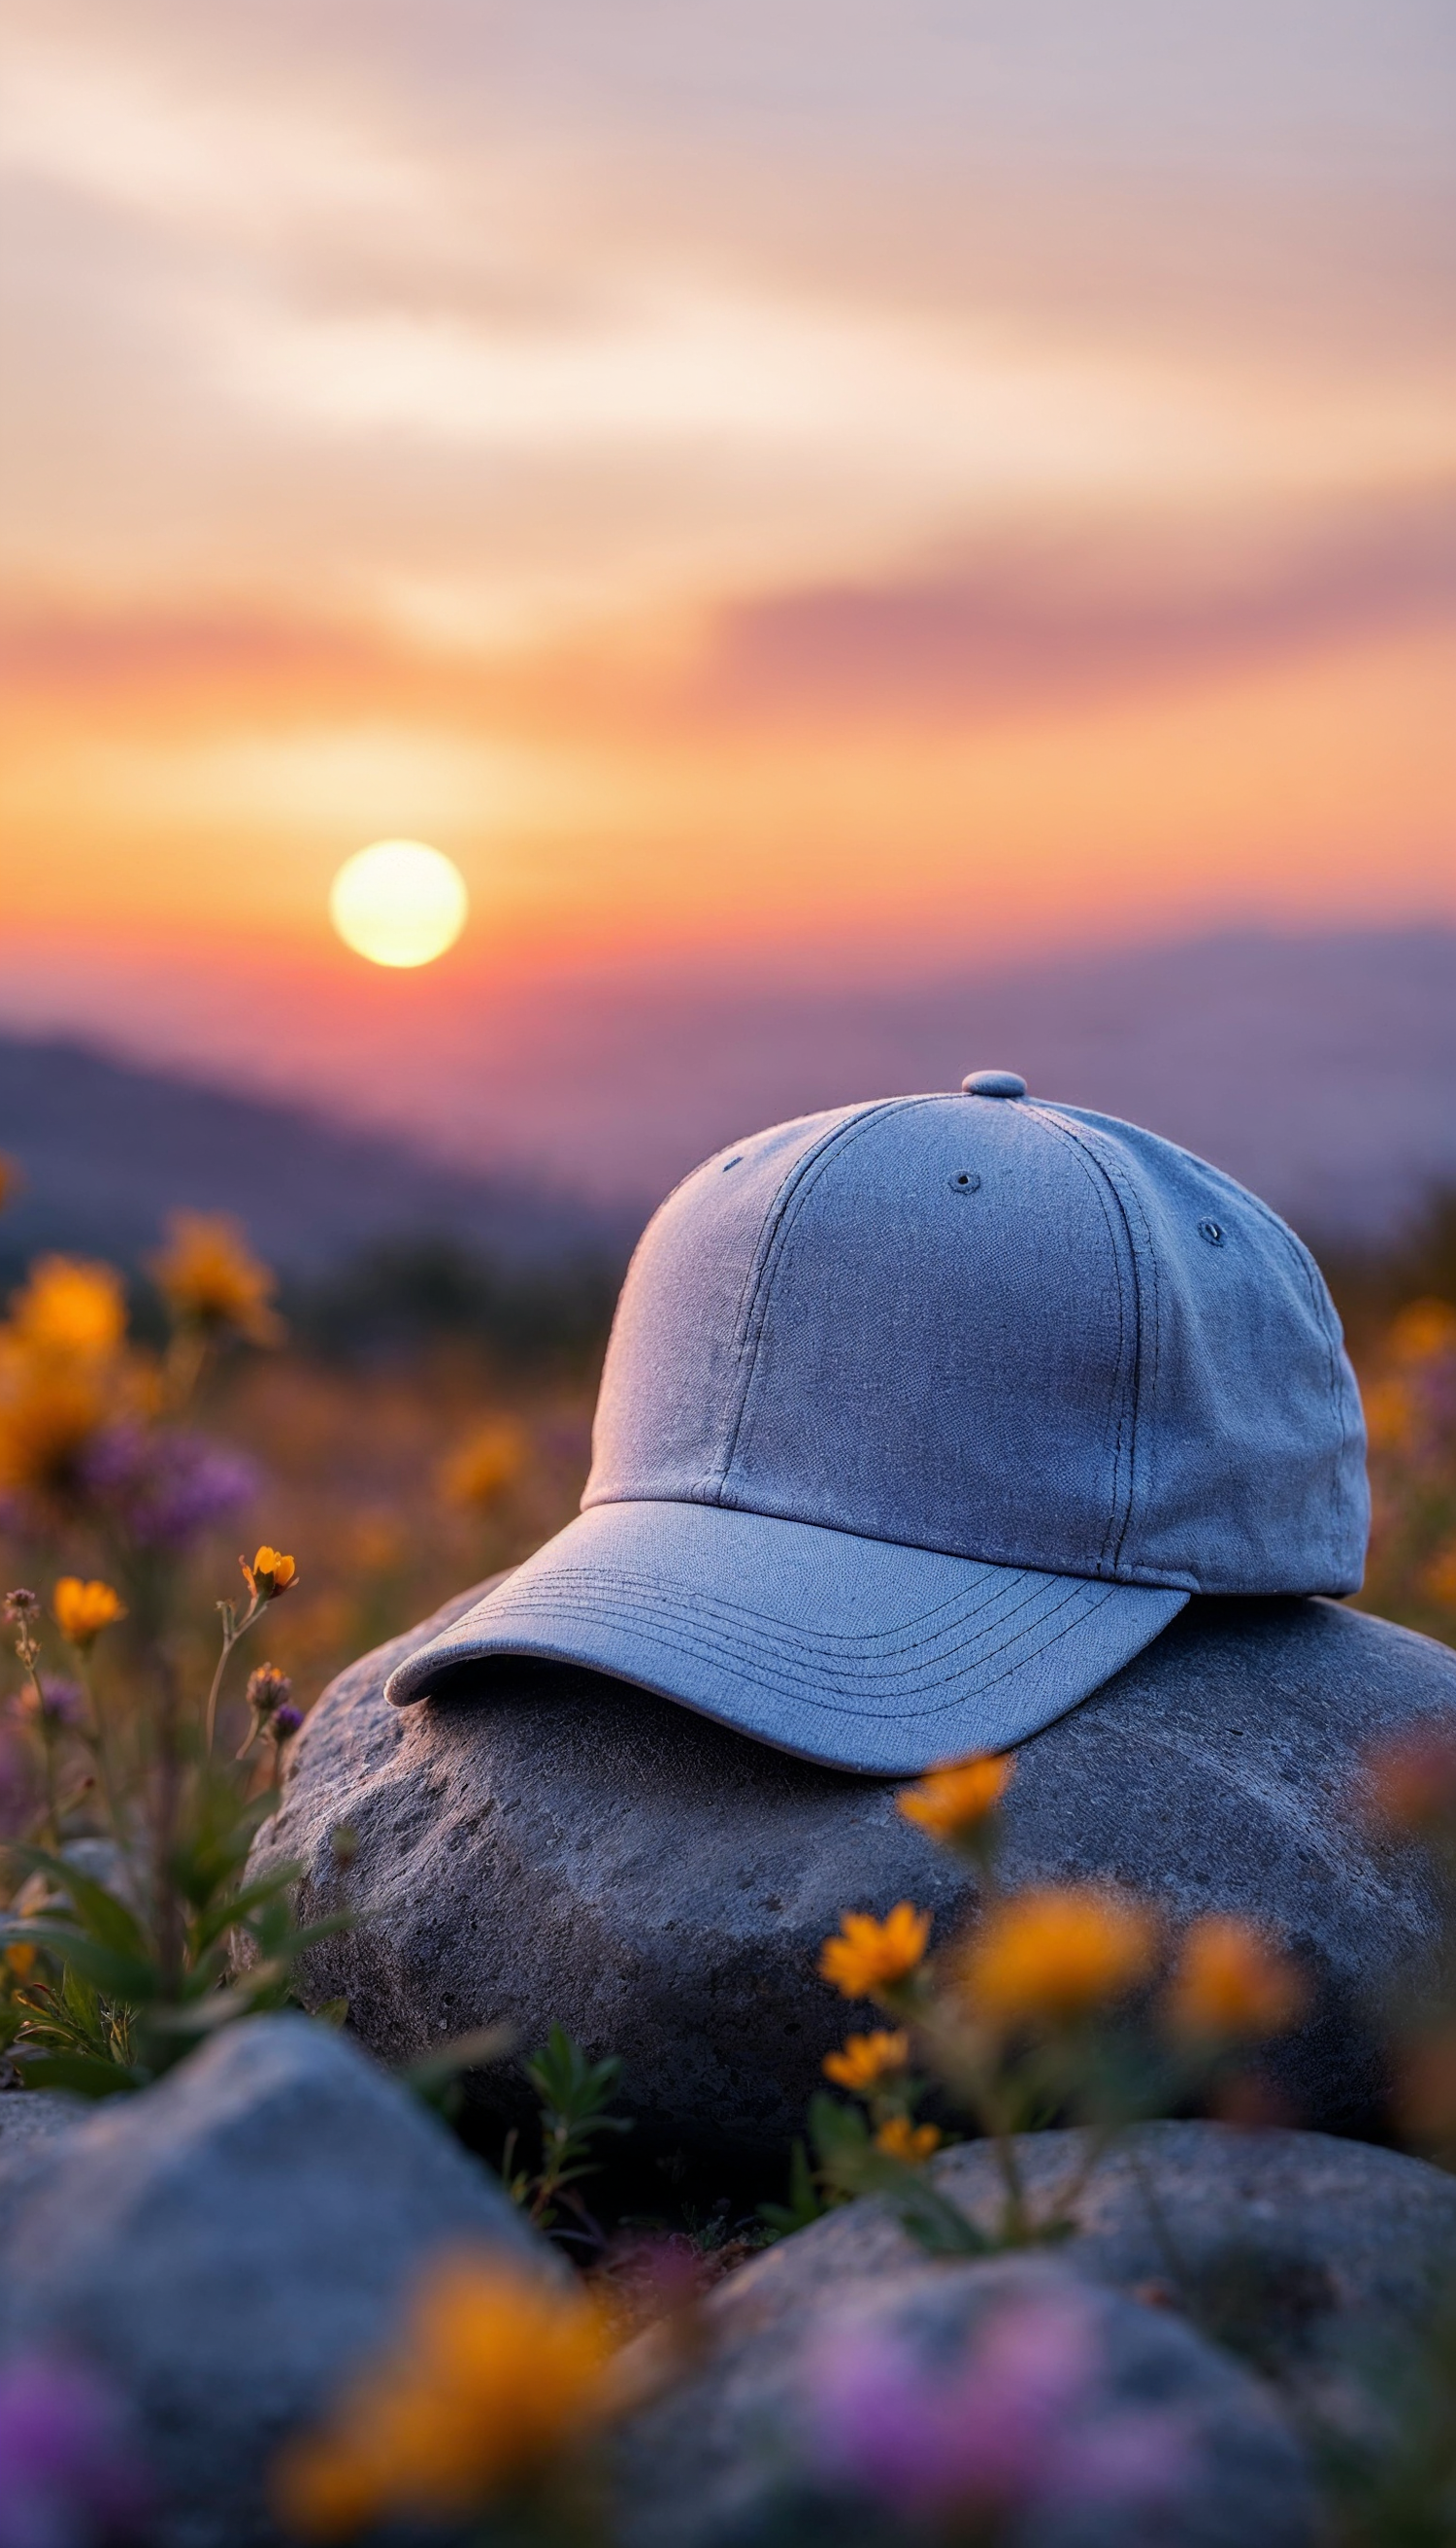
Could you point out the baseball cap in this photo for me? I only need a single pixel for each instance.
(920, 1417)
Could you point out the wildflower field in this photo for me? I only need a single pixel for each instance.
(213, 1497)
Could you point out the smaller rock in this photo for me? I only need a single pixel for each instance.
(32, 2122)
(730, 2457)
(32, 2118)
(1286, 2248)
(227, 2246)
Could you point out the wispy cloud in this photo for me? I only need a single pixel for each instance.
(712, 464)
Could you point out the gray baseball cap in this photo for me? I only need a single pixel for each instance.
(921, 1418)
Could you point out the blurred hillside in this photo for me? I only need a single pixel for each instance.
(106, 1150)
(545, 1115)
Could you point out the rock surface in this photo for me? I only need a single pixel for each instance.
(225, 2248)
(1293, 2250)
(725, 2459)
(541, 1844)
(33, 2117)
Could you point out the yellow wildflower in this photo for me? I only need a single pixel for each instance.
(209, 1278)
(1390, 1413)
(270, 1573)
(1424, 1332)
(82, 1610)
(486, 1464)
(21, 1958)
(62, 1372)
(869, 1953)
(866, 2059)
(497, 2376)
(1054, 1954)
(1411, 1782)
(70, 1309)
(48, 1413)
(898, 2138)
(1231, 1981)
(958, 1798)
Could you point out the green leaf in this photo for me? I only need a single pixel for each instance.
(85, 2075)
(116, 1976)
(937, 2224)
(101, 1913)
(850, 2164)
(804, 2204)
(567, 2083)
(236, 1909)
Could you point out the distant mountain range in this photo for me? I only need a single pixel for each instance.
(106, 1150)
(545, 1119)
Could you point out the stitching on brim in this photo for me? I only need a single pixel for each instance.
(666, 1624)
(811, 1694)
(755, 1626)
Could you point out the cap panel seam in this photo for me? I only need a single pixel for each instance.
(1125, 1394)
(768, 1255)
(711, 1479)
(1322, 1311)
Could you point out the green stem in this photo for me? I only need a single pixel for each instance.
(1163, 2239)
(52, 1801)
(27, 1651)
(232, 1633)
(1097, 2140)
(98, 1741)
(1015, 2223)
(169, 1913)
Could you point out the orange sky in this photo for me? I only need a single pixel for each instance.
(832, 483)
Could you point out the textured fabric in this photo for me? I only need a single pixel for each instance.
(854, 1652)
(974, 1327)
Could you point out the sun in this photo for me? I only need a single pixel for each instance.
(398, 902)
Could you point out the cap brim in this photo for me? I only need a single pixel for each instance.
(859, 1653)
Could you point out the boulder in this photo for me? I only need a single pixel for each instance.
(1293, 2250)
(32, 2118)
(32, 2122)
(540, 1844)
(226, 2246)
(734, 2454)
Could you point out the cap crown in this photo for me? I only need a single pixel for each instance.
(1006, 1330)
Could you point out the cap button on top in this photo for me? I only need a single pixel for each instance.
(993, 1083)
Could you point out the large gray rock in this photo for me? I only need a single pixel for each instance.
(1295, 2250)
(228, 2245)
(544, 1843)
(726, 2458)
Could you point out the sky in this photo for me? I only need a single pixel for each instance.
(825, 489)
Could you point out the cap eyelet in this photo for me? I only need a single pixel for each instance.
(1213, 1232)
(964, 1181)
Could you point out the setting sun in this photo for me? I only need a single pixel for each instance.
(398, 902)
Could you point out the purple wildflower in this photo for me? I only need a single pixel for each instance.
(68, 2478)
(61, 1704)
(1023, 2420)
(286, 1720)
(17, 1786)
(164, 1490)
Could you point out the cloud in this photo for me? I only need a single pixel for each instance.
(1016, 630)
